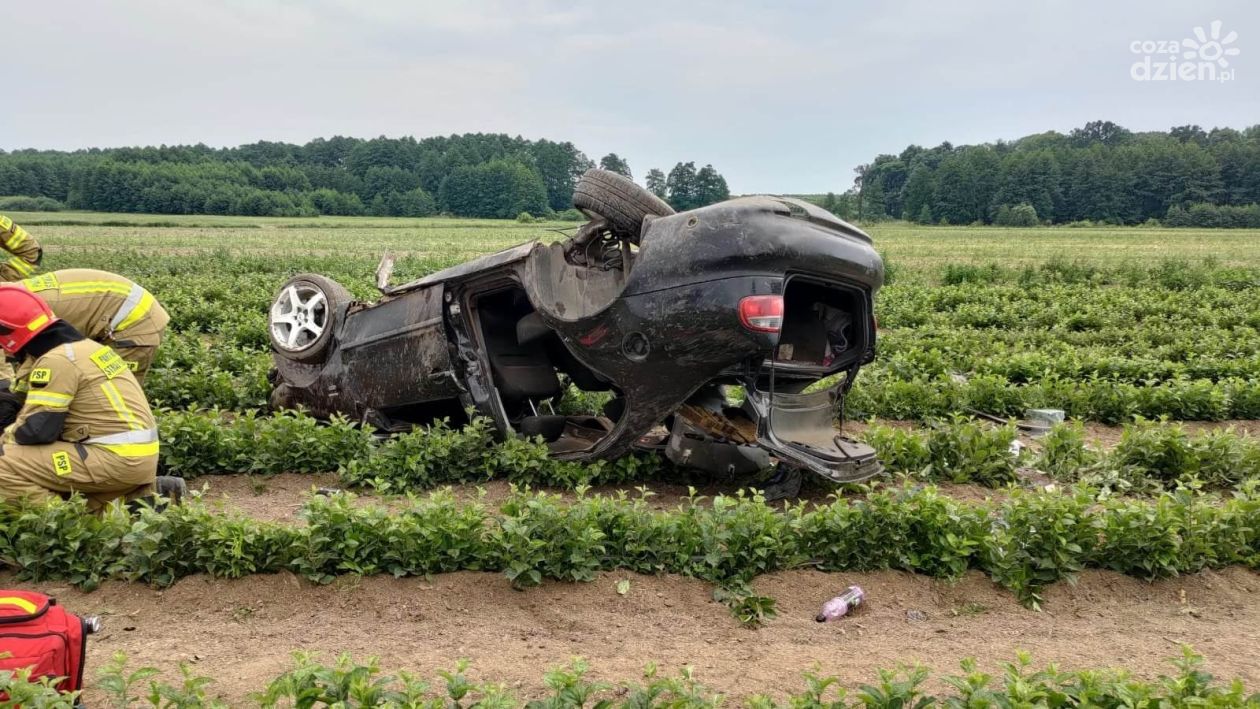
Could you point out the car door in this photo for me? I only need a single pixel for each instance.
(395, 353)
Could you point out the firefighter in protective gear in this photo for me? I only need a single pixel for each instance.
(22, 253)
(85, 425)
(107, 308)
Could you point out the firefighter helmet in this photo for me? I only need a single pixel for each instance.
(23, 315)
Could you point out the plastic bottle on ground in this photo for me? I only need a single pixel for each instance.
(840, 606)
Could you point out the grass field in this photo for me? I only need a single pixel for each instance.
(1109, 324)
(909, 246)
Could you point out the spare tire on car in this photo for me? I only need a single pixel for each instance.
(304, 315)
(619, 201)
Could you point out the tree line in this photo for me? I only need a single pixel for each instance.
(684, 188)
(475, 175)
(1101, 172)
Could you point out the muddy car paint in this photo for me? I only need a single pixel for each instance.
(656, 334)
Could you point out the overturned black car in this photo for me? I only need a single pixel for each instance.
(670, 313)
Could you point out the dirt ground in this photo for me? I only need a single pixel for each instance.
(280, 497)
(242, 632)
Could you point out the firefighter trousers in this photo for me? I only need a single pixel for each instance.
(60, 469)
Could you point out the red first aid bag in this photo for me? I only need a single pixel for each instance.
(37, 633)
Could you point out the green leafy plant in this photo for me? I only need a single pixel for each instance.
(1065, 455)
(749, 608)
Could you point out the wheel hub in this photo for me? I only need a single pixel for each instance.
(298, 317)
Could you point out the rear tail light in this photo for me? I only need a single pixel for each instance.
(762, 313)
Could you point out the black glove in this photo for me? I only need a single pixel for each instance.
(8, 411)
(10, 404)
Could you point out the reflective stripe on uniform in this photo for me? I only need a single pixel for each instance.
(94, 287)
(49, 399)
(144, 435)
(137, 305)
(19, 236)
(120, 407)
(132, 450)
(19, 264)
(131, 444)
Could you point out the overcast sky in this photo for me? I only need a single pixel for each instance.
(780, 96)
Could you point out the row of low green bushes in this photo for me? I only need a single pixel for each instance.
(1149, 454)
(200, 442)
(347, 683)
(958, 449)
(882, 394)
(1024, 542)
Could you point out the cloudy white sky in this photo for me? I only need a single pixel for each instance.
(780, 96)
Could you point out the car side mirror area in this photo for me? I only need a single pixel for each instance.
(384, 270)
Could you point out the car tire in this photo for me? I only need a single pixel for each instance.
(303, 317)
(622, 203)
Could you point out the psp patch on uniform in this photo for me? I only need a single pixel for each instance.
(41, 376)
(61, 463)
(109, 362)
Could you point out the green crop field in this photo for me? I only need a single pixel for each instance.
(1146, 330)
(911, 246)
(1107, 324)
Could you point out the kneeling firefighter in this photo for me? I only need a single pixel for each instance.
(85, 425)
(104, 307)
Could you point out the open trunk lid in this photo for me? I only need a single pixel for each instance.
(800, 430)
(825, 332)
